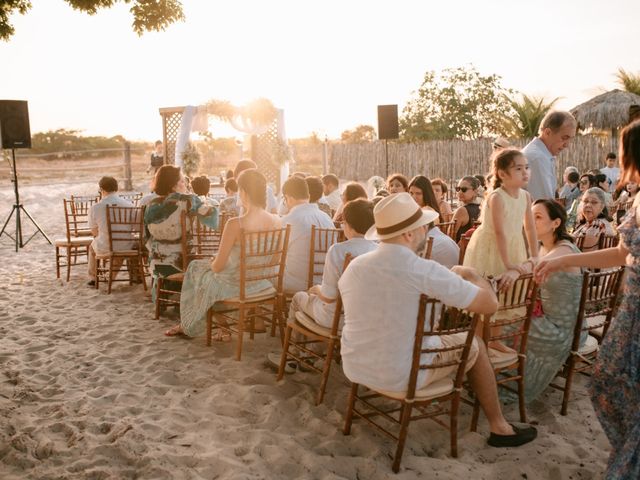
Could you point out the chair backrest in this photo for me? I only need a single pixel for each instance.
(520, 300)
(133, 197)
(80, 206)
(71, 223)
(597, 299)
(218, 197)
(337, 314)
(437, 320)
(126, 228)
(206, 240)
(428, 246)
(321, 240)
(448, 228)
(262, 257)
(592, 244)
(464, 241)
(608, 241)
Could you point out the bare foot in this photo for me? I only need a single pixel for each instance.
(175, 330)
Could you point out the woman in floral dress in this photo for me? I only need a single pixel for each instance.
(615, 385)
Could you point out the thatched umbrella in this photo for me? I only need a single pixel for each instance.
(608, 111)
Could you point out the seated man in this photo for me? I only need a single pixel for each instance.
(201, 186)
(381, 292)
(319, 301)
(229, 204)
(315, 194)
(108, 187)
(302, 215)
(443, 250)
(331, 186)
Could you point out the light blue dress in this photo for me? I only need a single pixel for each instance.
(202, 288)
(551, 332)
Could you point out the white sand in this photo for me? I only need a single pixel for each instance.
(91, 389)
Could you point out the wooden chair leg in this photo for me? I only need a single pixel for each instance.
(159, 286)
(240, 333)
(57, 262)
(110, 271)
(209, 326)
(141, 268)
(68, 264)
(350, 404)
(455, 405)
(325, 371)
(98, 267)
(475, 415)
(405, 415)
(567, 385)
(285, 353)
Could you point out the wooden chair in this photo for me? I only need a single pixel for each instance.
(311, 333)
(592, 245)
(126, 233)
(597, 305)
(428, 246)
(74, 245)
(509, 367)
(321, 241)
(133, 197)
(80, 206)
(378, 407)
(608, 241)
(463, 243)
(448, 228)
(262, 257)
(206, 240)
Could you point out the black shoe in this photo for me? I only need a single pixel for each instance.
(520, 437)
(91, 283)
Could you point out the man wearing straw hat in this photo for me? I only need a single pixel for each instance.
(381, 291)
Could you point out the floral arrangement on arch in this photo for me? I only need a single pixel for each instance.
(259, 112)
(190, 160)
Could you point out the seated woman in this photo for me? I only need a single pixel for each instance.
(397, 183)
(594, 219)
(422, 192)
(162, 220)
(551, 330)
(207, 282)
(469, 211)
(586, 182)
(440, 191)
(352, 191)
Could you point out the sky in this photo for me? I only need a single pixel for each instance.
(327, 64)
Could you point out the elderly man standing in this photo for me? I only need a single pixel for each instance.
(557, 129)
(381, 293)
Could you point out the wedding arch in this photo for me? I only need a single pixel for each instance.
(260, 119)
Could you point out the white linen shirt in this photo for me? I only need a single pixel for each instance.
(613, 174)
(334, 261)
(542, 168)
(444, 250)
(301, 218)
(381, 293)
(98, 218)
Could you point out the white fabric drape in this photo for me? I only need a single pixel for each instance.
(194, 119)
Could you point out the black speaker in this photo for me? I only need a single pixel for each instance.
(387, 122)
(14, 124)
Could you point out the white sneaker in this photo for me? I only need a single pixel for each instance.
(274, 360)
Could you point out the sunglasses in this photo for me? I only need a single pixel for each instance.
(463, 189)
(584, 182)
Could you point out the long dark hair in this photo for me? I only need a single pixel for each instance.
(167, 177)
(253, 183)
(428, 197)
(502, 160)
(556, 212)
(630, 152)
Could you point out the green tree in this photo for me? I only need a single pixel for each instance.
(629, 81)
(63, 141)
(529, 112)
(458, 103)
(360, 134)
(148, 15)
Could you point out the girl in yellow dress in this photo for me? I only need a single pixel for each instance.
(498, 244)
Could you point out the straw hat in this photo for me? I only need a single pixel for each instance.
(501, 142)
(397, 214)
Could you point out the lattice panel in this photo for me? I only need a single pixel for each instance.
(264, 149)
(170, 127)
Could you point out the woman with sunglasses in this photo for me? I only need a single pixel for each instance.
(469, 210)
(615, 383)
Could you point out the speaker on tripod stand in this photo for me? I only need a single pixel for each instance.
(15, 133)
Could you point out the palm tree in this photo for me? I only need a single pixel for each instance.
(629, 81)
(529, 112)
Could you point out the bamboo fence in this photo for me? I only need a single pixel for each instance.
(451, 159)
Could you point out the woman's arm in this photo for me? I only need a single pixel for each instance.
(607, 258)
(229, 236)
(530, 228)
(497, 215)
(461, 217)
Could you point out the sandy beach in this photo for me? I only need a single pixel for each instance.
(91, 389)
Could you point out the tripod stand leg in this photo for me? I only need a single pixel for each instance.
(14, 209)
(36, 225)
(7, 222)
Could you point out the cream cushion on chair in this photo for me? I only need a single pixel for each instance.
(599, 320)
(590, 346)
(501, 359)
(73, 241)
(308, 322)
(433, 390)
(260, 296)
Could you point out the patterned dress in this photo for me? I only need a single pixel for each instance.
(616, 380)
